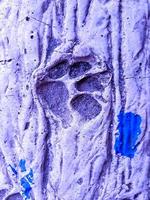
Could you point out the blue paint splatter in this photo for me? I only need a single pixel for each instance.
(27, 188)
(22, 165)
(129, 129)
(25, 181)
(29, 176)
(13, 170)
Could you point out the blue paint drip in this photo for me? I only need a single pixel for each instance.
(22, 165)
(29, 176)
(13, 170)
(27, 188)
(129, 129)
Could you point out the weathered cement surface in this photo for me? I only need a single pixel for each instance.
(68, 69)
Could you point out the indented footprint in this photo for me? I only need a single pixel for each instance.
(56, 95)
(86, 106)
(94, 82)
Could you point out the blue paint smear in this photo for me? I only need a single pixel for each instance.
(13, 170)
(29, 176)
(129, 129)
(22, 165)
(27, 188)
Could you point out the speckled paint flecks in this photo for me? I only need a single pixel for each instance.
(29, 176)
(27, 188)
(129, 129)
(26, 182)
(22, 165)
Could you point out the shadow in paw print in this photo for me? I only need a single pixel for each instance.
(89, 83)
(78, 69)
(95, 82)
(58, 70)
(56, 95)
(86, 106)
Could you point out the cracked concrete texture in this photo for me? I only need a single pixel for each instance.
(67, 69)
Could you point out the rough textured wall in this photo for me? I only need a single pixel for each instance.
(74, 100)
